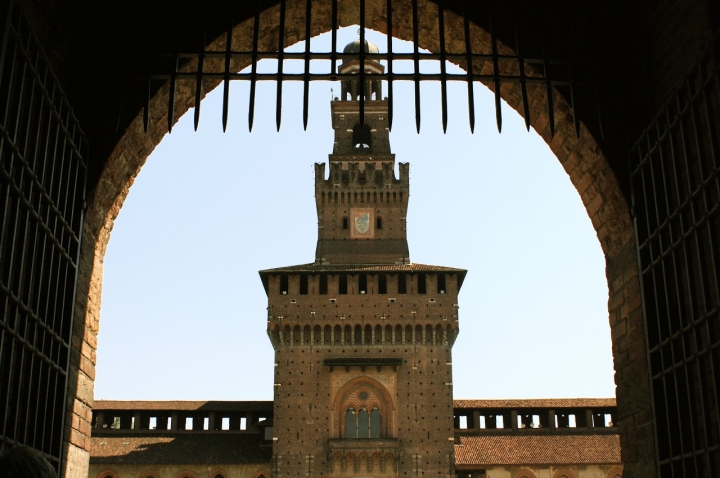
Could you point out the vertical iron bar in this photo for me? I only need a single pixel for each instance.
(390, 63)
(171, 95)
(253, 71)
(198, 84)
(549, 96)
(361, 83)
(576, 122)
(416, 62)
(469, 63)
(146, 110)
(226, 76)
(306, 80)
(443, 72)
(523, 83)
(599, 113)
(496, 71)
(280, 63)
(333, 51)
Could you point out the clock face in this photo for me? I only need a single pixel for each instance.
(361, 223)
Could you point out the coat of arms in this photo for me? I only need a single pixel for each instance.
(362, 223)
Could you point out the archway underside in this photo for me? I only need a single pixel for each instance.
(581, 157)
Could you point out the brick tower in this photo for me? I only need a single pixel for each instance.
(362, 336)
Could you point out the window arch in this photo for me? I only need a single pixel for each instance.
(148, 474)
(218, 474)
(362, 139)
(363, 424)
(524, 473)
(185, 474)
(363, 409)
(564, 473)
(107, 473)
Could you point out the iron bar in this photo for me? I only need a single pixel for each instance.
(253, 69)
(280, 62)
(334, 29)
(171, 93)
(469, 57)
(390, 54)
(306, 82)
(226, 76)
(523, 82)
(198, 87)
(496, 74)
(443, 68)
(416, 62)
(361, 57)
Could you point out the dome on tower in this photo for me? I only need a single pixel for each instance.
(354, 47)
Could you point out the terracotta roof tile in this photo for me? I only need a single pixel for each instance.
(190, 449)
(538, 403)
(185, 405)
(537, 450)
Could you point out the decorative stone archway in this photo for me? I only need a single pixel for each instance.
(581, 157)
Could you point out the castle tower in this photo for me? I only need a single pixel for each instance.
(362, 336)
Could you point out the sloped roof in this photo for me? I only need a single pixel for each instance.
(180, 449)
(185, 405)
(537, 450)
(538, 403)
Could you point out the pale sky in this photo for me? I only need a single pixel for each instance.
(183, 314)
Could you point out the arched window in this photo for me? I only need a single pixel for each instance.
(375, 423)
(363, 424)
(378, 223)
(361, 137)
(351, 420)
(345, 223)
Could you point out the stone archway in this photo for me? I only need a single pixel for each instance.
(581, 157)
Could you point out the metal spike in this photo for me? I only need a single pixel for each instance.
(281, 49)
(146, 110)
(469, 66)
(333, 54)
(549, 97)
(390, 64)
(171, 99)
(523, 82)
(361, 83)
(416, 62)
(253, 74)
(597, 104)
(576, 122)
(198, 85)
(443, 81)
(496, 76)
(306, 81)
(226, 77)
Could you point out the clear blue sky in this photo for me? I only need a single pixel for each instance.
(183, 311)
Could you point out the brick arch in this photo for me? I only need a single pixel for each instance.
(220, 472)
(581, 157)
(617, 471)
(564, 473)
(524, 473)
(186, 474)
(149, 474)
(107, 472)
(261, 472)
